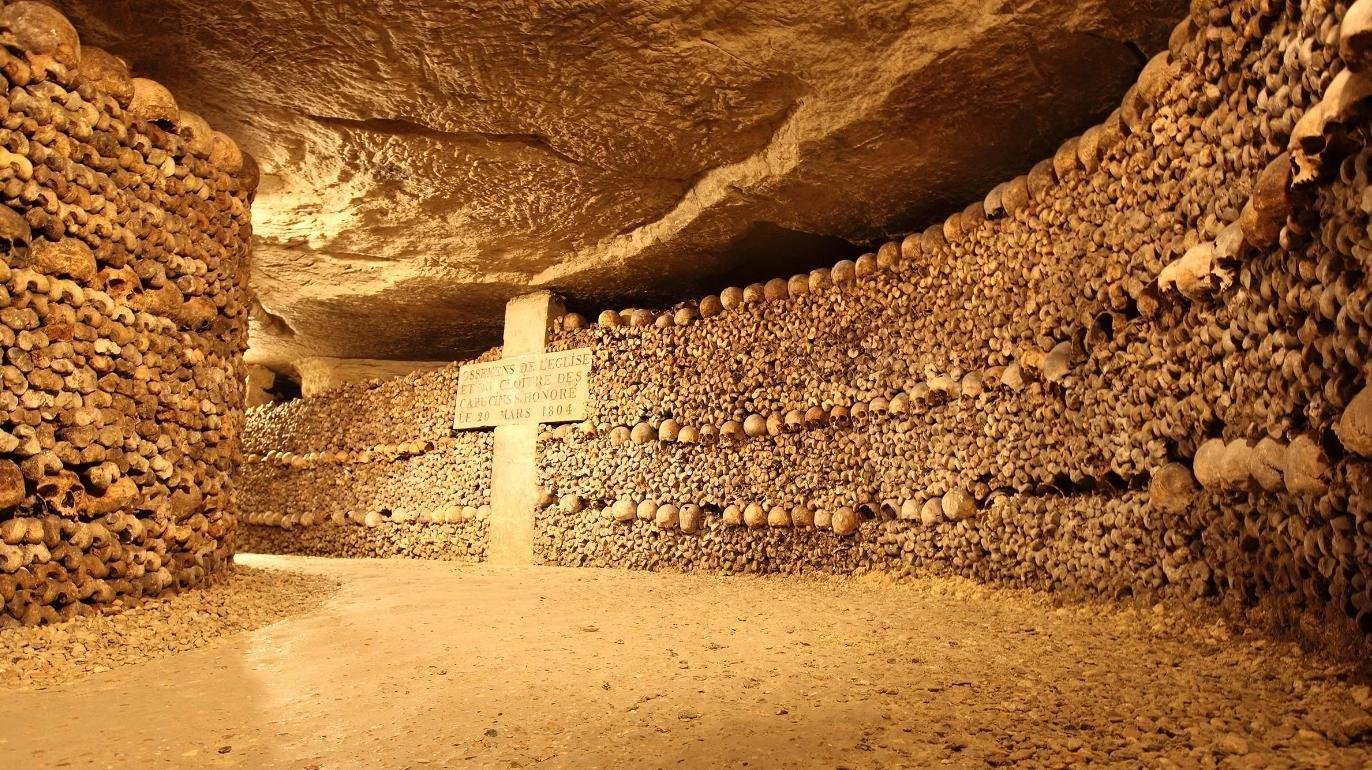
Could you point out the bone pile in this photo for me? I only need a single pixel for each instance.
(1140, 368)
(367, 470)
(126, 231)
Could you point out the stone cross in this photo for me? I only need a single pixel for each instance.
(514, 470)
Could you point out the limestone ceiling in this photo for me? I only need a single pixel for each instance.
(424, 161)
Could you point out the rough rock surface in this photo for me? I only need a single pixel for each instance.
(424, 162)
(319, 374)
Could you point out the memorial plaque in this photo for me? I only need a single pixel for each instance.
(528, 388)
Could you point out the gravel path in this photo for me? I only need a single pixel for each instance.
(416, 664)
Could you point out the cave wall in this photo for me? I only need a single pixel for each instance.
(125, 228)
(1139, 369)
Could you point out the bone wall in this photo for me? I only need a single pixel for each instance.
(126, 231)
(1140, 368)
(367, 469)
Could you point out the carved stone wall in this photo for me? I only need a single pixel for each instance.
(126, 231)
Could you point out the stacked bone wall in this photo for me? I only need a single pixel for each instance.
(1141, 368)
(126, 231)
(368, 469)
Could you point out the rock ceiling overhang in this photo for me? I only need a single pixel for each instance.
(423, 162)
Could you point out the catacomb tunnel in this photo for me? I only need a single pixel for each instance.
(624, 383)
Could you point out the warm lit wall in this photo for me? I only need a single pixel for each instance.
(1138, 369)
(1054, 387)
(126, 231)
(367, 469)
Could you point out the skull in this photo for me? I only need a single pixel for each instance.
(690, 518)
(1269, 205)
(1234, 461)
(108, 73)
(1355, 36)
(972, 384)
(1197, 274)
(153, 103)
(642, 433)
(67, 257)
(11, 485)
(1354, 428)
(958, 505)
(1265, 463)
(711, 306)
(1315, 141)
(878, 407)
(839, 417)
(667, 516)
(1307, 468)
(942, 388)
(775, 289)
(42, 31)
(62, 491)
(920, 394)
(669, 430)
(1206, 463)
(859, 413)
(1172, 489)
(195, 133)
(775, 424)
(995, 209)
(755, 425)
(899, 404)
(1058, 363)
(15, 235)
(1015, 195)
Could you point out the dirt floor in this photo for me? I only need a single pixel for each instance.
(427, 664)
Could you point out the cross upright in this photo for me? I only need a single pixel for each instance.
(514, 469)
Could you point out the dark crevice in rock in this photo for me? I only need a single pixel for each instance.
(767, 250)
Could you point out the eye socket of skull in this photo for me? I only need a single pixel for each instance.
(1316, 143)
